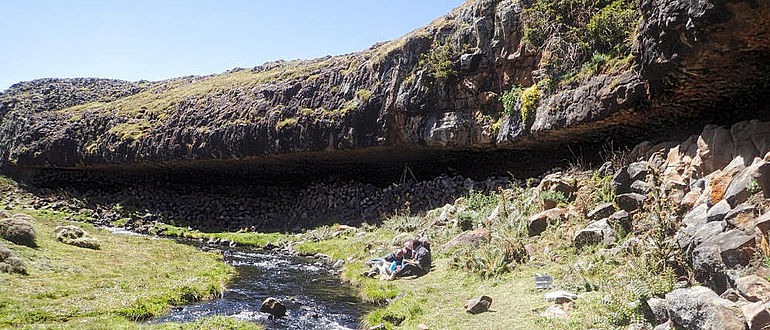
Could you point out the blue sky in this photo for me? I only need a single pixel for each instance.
(156, 40)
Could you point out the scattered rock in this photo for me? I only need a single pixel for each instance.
(76, 236)
(621, 181)
(668, 325)
(620, 220)
(630, 201)
(473, 238)
(742, 216)
(753, 288)
(555, 182)
(601, 211)
(735, 247)
(18, 230)
(700, 308)
(641, 187)
(478, 305)
(560, 297)
(691, 198)
(696, 216)
(273, 306)
(757, 315)
(338, 264)
(718, 211)
(737, 192)
(555, 312)
(539, 222)
(659, 310)
(638, 171)
(595, 233)
(422, 327)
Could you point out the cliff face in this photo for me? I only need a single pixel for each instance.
(436, 89)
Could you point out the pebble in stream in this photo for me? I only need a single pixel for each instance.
(314, 296)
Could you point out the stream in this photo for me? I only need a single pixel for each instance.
(314, 295)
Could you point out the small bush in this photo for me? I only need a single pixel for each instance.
(477, 201)
(753, 187)
(18, 230)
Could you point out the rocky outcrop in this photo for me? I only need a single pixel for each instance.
(689, 56)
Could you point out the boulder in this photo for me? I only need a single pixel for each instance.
(738, 190)
(18, 230)
(478, 305)
(753, 288)
(715, 148)
(709, 268)
(560, 297)
(630, 201)
(595, 233)
(735, 247)
(537, 223)
(601, 211)
(273, 306)
(757, 315)
(700, 308)
(473, 238)
(658, 309)
(718, 211)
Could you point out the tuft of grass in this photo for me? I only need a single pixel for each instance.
(214, 322)
(286, 123)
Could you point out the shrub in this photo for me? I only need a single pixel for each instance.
(572, 30)
(18, 230)
(510, 98)
(477, 201)
(530, 98)
(438, 61)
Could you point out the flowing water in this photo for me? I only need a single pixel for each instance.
(314, 296)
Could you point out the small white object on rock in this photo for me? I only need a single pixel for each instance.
(560, 297)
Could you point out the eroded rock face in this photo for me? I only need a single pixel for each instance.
(688, 55)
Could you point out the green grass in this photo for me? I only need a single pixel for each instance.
(244, 238)
(131, 278)
(215, 322)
